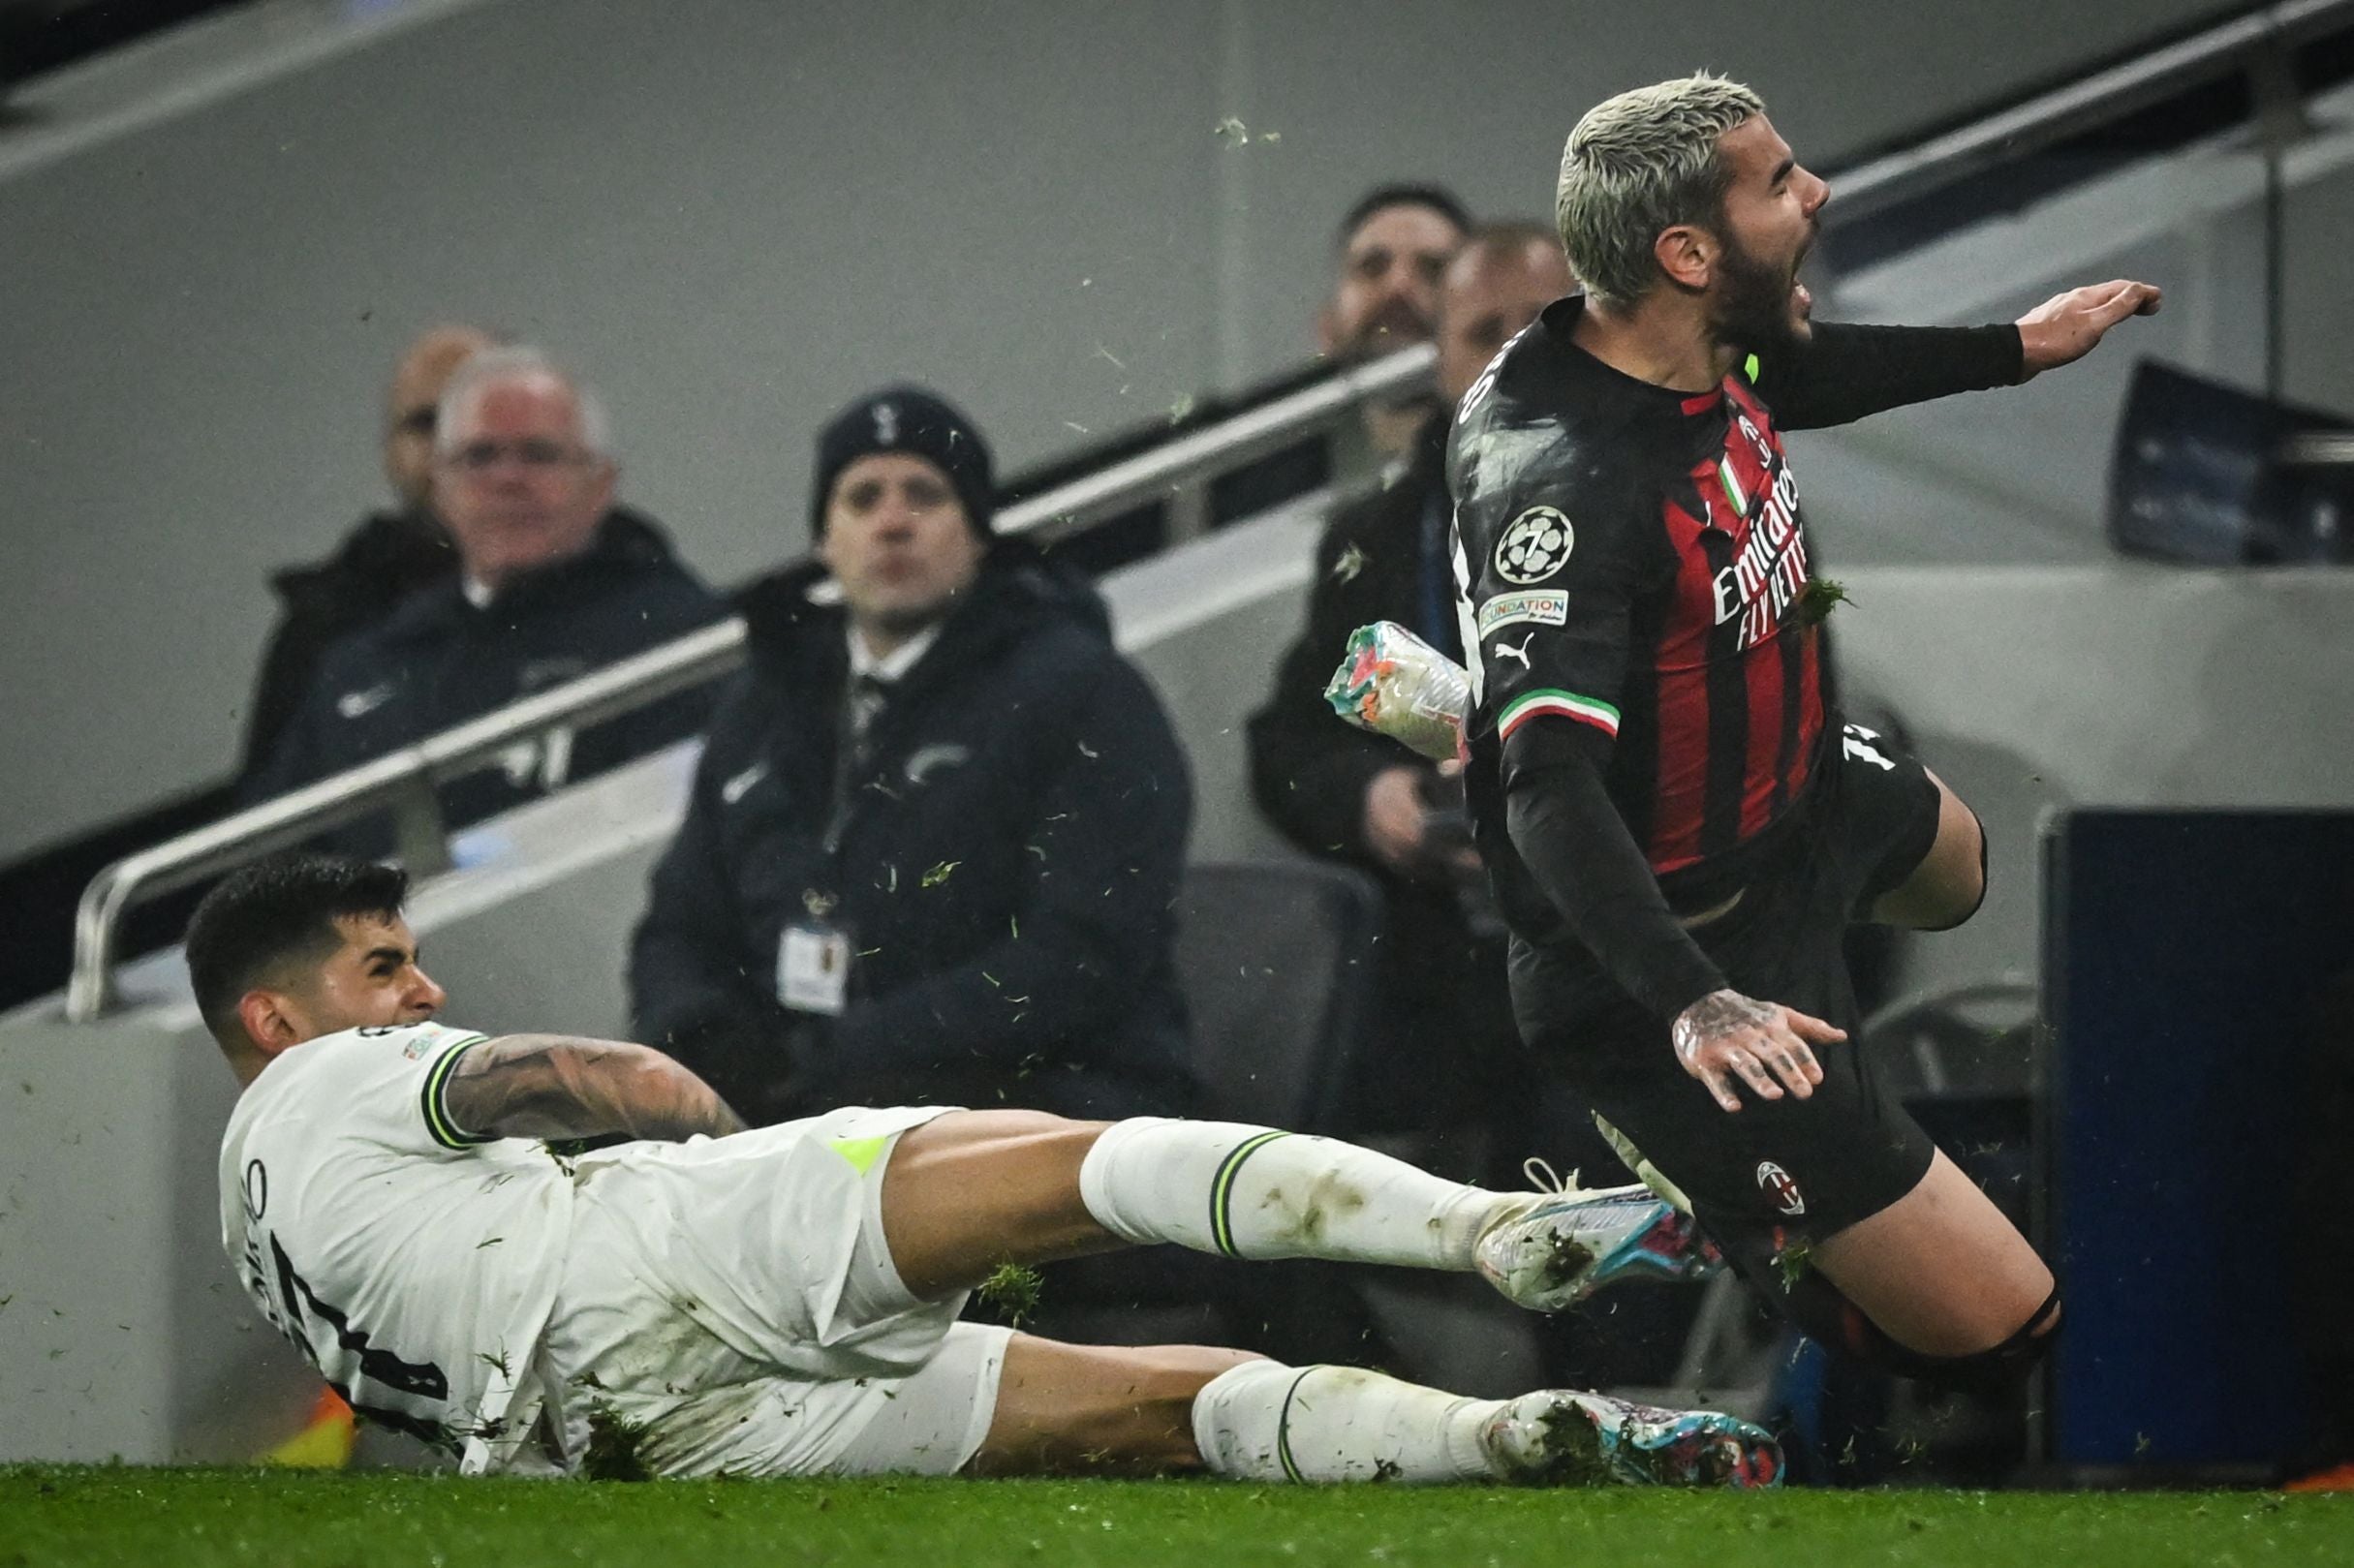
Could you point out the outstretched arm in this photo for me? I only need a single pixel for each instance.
(1845, 372)
(552, 1086)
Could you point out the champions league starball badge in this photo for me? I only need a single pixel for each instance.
(1534, 545)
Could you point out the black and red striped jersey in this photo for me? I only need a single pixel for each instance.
(1633, 567)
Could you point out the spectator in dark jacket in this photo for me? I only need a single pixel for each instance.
(1449, 1050)
(555, 581)
(1388, 253)
(1394, 246)
(390, 555)
(937, 831)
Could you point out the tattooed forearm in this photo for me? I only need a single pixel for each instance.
(548, 1086)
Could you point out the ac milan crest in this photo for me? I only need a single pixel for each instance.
(1777, 1185)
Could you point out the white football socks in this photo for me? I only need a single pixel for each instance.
(1252, 1193)
(1263, 1421)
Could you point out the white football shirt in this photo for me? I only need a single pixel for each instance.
(412, 1263)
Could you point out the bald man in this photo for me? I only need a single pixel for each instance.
(391, 554)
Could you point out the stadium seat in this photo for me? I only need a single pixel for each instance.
(1274, 960)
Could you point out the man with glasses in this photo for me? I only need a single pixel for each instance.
(390, 555)
(553, 580)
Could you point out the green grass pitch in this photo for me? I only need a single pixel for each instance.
(188, 1518)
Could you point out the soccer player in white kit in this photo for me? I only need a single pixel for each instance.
(783, 1301)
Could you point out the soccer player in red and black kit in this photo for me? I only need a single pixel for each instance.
(1679, 826)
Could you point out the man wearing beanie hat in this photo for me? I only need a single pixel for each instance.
(936, 833)
(911, 420)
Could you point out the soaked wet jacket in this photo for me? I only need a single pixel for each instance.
(439, 661)
(1002, 868)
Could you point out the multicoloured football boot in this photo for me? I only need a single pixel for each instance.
(1557, 1437)
(1568, 1245)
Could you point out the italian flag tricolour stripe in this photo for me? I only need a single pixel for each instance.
(1567, 704)
(1732, 489)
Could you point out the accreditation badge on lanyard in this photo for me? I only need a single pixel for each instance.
(814, 962)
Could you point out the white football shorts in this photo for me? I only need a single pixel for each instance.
(731, 1305)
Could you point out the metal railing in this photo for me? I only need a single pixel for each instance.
(405, 781)
(2257, 45)
(2254, 44)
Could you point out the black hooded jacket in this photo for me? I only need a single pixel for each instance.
(439, 661)
(390, 556)
(1004, 868)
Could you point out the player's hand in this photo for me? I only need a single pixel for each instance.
(1411, 838)
(2064, 327)
(1396, 821)
(1726, 1036)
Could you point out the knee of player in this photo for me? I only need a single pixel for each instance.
(1180, 1373)
(1023, 1134)
(2001, 1366)
(1964, 882)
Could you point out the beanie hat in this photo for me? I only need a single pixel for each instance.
(907, 419)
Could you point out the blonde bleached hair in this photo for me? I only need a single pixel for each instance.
(1640, 163)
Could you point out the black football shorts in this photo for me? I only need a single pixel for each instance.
(1812, 1166)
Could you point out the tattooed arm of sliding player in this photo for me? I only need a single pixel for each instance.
(554, 1085)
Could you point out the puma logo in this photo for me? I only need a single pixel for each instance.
(1505, 650)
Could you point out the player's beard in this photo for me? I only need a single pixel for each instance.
(1755, 311)
(1396, 325)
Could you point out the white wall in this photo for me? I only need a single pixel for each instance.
(735, 215)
